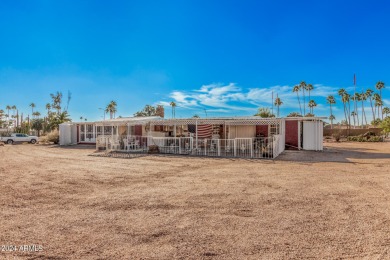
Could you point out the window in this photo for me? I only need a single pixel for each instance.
(273, 130)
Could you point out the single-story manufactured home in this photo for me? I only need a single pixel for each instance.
(248, 137)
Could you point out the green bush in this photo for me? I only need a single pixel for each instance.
(375, 139)
(363, 138)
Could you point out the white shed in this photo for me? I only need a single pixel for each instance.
(68, 134)
(313, 135)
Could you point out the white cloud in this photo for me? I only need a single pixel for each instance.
(230, 98)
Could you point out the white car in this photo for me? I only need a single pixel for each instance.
(19, 138)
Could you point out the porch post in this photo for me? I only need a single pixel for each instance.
(299, 134)
(94, 132)
(196, 134)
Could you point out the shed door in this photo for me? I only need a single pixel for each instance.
(310, 135)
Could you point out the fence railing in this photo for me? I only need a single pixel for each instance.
(257, 147)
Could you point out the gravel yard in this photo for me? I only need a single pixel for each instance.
(71, 205)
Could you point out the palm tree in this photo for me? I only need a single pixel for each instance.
(369, 94)
(296, 89)
(378, 102)
(8, 107)
(331, 100)
(13, 113)
(379, 85)
(278, 103)
(341, 93)
(331, 118)
(356, 98)
(36, 114)
(363, 97)
(14, 109)
(48, 107)
(312, 104)
(111, 108)
(309, 88)
(32, 105)
(113, 105)
(173, 105)
(57, 100)
(386, 111)
(1, 118)
(353, 114)
(346, 99)
(303, 86)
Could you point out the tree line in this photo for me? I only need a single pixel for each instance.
(358, 100)
(56, 114)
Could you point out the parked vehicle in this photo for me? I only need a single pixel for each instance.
(19, 138)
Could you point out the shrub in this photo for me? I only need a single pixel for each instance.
(375, 139)
(363, 138)
(52, 137)
(337, 137)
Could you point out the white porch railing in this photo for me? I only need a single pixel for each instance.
(258, 147)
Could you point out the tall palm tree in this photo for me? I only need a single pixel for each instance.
(8, 108)
(32, 105)
(363, 97)
(57, 100)
(369, 94)
(379, 85)
(1, 118)
(346, 99)
(330, 100)
(312, 104)
(173, 105)
(309, 88)
(341, 92)
(353, 114)
(13, 114)
(356, 99)
(296, 90)
(48, 107)
(303, 86)
(113, 109)
(378, 102)
(331, 118)
(278, 103)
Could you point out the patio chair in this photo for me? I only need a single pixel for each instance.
(126, 144)
(115, 145)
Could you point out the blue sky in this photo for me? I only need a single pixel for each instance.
(223, 56)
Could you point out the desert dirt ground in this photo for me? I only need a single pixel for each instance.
(333, 204)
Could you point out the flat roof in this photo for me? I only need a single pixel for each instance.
(156, 120)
